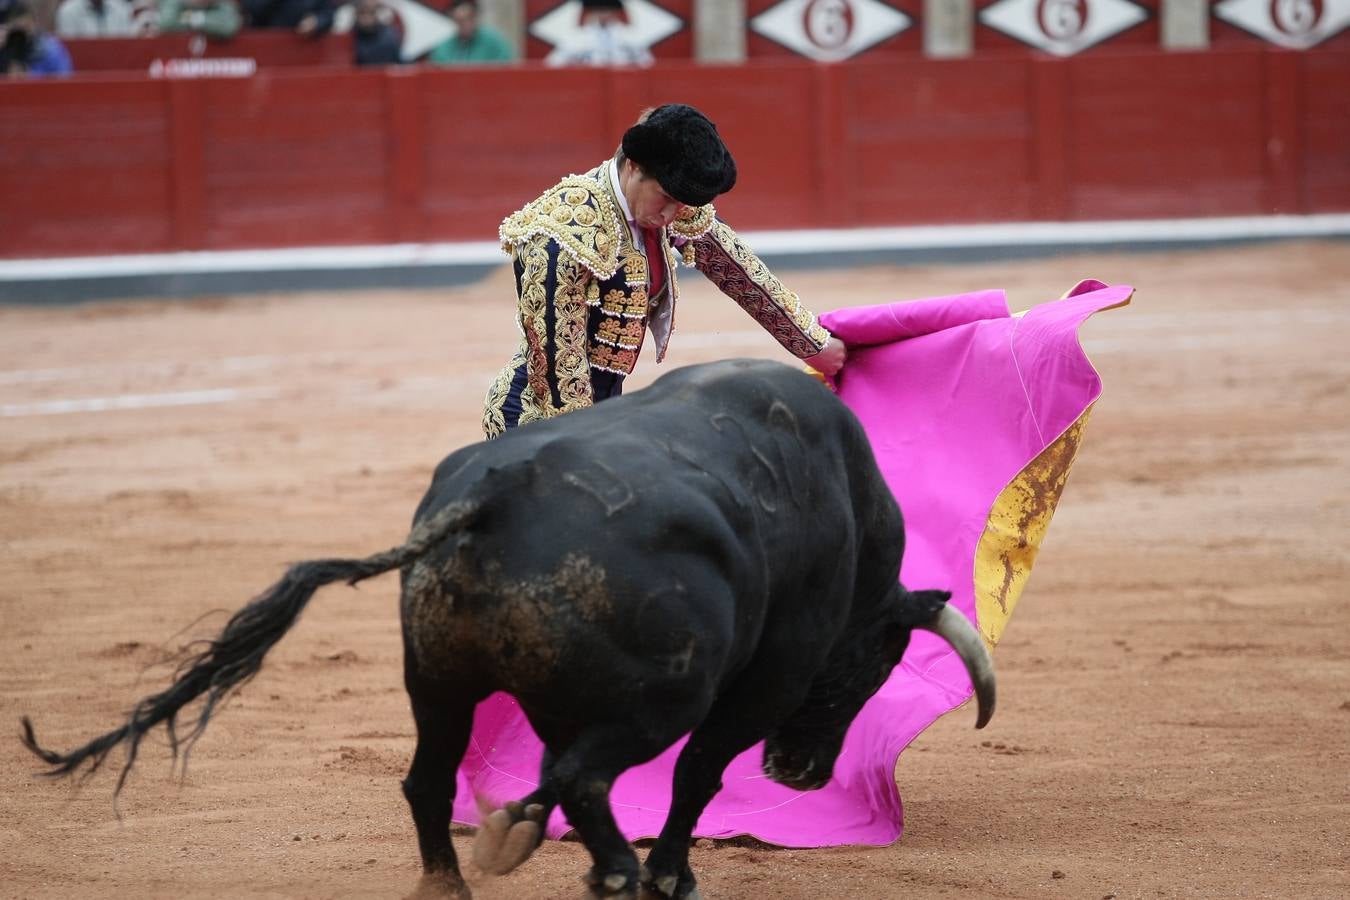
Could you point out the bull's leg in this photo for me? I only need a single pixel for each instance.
(442, 736)
(737, 721)
(583, 776)
(510, 834)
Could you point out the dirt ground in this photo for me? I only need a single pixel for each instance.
(1174, 688)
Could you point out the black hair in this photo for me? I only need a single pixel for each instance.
(681, 148)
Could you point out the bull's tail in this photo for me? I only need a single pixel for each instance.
(233, 658)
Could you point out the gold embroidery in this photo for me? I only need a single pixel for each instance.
(613, 359)
(634, 268)
(743, 277)
(602, 356)
(580, 214)
(627, 306)
(608, 332)
(494, 419)
(633, 332)
(569, 363)
(626, 334)
(694, 221)
(569, 331)
(622, 327)
(534, 324)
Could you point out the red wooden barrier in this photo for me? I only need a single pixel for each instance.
(1320, 86)
(315, 157)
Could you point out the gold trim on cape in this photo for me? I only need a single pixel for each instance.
(1015, 528)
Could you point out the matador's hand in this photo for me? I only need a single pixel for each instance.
(830, 360)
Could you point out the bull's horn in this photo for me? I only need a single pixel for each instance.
(956, 630)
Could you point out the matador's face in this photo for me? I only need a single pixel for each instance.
(650, 205)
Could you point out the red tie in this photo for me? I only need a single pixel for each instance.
(655, 260)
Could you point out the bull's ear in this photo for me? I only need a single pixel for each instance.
(919, 608)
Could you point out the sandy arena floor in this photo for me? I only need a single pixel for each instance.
(1174, 689)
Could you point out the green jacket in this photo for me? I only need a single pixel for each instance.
(219, 19)
(488, 45)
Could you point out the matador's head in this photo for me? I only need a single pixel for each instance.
(680, 147)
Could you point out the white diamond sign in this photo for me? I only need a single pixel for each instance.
(648, 23)
(1062, 27)
(1297, 24)
(830, 30)
(423, 28)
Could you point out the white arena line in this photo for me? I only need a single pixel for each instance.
(1018, 234)
(303, 258)
(133, 401)
(820, 241)
(196, 366)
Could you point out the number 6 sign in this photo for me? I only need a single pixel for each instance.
(830, 30)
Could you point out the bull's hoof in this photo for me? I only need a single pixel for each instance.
(508, 837)
(440, 886)
(668, 887)
(796, 774)
(613, 885)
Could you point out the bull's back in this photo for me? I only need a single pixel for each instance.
(661, 525)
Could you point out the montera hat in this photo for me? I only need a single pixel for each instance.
(680, 147)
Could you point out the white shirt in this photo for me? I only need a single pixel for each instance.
(79, 19)
(633, 228)
(601, 44)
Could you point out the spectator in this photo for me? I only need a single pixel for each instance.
(376, 42)
(473, 41)
(304, 17)
(604, 38)
(25, 49)
(217, 19)
(97, 18)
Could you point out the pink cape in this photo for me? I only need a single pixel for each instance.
(974, 416)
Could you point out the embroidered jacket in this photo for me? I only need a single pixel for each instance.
(584, 303)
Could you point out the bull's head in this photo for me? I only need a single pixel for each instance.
(802, 753)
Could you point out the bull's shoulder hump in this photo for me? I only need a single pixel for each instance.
(729, 375)
(734, 383)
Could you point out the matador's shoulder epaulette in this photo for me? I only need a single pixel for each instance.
(579, 213)
(694, 222)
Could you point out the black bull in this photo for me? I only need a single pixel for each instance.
(716, 555)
